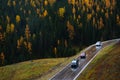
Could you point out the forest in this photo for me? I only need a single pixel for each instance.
(36, 29)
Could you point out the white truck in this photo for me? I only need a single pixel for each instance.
(98, 45)
(74, 63)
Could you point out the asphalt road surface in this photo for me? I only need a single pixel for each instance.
(68, 74)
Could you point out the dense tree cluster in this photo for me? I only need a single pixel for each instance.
(32, 29)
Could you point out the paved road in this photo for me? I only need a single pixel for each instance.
(68, 74)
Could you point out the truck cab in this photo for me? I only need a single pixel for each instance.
(74, 63)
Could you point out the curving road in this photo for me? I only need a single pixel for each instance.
(68, 74)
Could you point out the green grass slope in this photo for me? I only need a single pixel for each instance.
(106, 65)
(42, 69)
(28, 70)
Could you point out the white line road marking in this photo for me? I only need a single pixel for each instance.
(85, 66)
(89, 61)
(70, 63)
(92, 59)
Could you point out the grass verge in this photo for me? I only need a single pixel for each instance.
(28, 70)
(42, 69)
(105, 66)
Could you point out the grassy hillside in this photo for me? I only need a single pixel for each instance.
(105, 66)
(28, 70)
(37, 29)
(41, 69)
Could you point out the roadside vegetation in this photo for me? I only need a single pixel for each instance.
(105, 66)
(37, 29)
(41, 69)
(29, 69)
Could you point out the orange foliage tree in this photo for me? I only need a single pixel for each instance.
(70, 29)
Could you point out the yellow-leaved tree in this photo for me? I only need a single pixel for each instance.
(38, 11)
(12, 26)
(14, 3)
(18, 18)
(45, 13)
(98, 8)
(89, 16)
(73, 10)
(107, 3)
(70, 29)
(29, 46)
(107, 15)
(20, 41)
(62, 11)
(32, 2)
(73, 2)
(27, 32)
(9, 3)
(86, 2)
(46, 2)
(101, 24)
(8, 19)
(8, 28)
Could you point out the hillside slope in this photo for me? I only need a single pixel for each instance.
(105, 66)
(29, 70)
(41, 69)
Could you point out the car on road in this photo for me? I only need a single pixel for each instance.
(83, 55)
(98, 45)
(74, 63)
